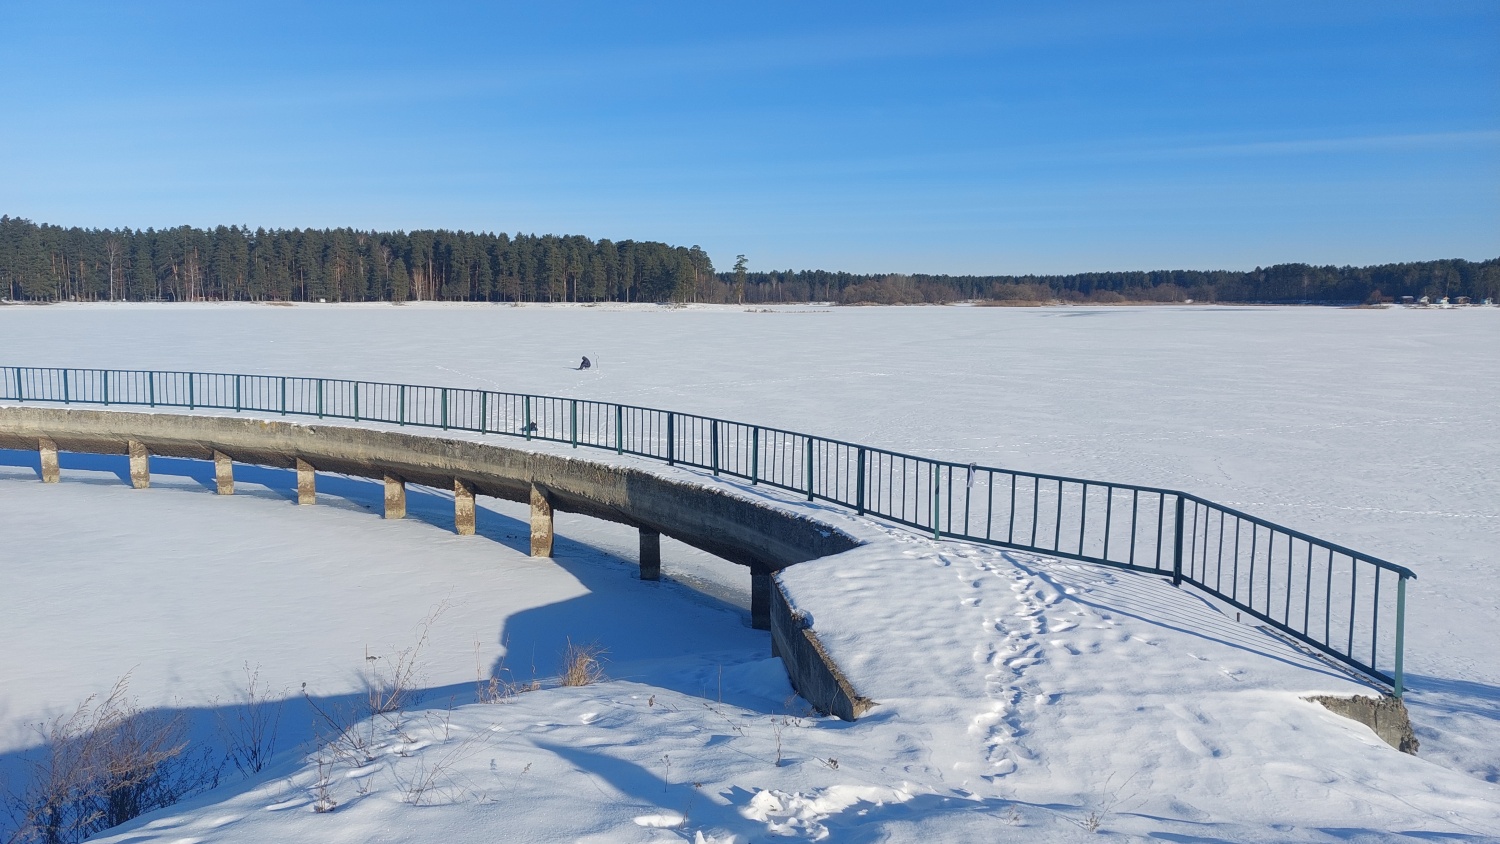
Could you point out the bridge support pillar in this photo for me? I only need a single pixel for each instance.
(307, 484)
(541, 523)
(650, 554)
(395, 497)
(463, 509)
(48, 450)
(760, 599)
(223, 473)
(140, 464)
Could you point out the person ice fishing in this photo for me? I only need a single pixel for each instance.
(585, 364)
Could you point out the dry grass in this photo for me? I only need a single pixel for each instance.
(583, 665)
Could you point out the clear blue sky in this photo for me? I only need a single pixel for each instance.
(998, 137)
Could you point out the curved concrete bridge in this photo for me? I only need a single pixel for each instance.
(760, 537)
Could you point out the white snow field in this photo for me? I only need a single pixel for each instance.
(1019, 697)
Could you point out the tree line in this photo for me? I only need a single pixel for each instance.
(41, 262)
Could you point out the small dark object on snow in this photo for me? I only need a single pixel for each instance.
(529, 428)
(585, 364)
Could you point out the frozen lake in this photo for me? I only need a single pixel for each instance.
(1376, 429)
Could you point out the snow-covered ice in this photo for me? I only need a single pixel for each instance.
(1019, 696)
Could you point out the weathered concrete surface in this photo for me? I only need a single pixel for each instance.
(395, 497)
(463, 507)
(223, 473)
(48, 450)
(1386, 715)
(541, 523)
(650, 554)
(759, 536)
(140, 464)
(307, 482)
(738, 529)
(814, 674)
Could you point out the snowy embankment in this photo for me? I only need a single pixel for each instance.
(1019, 697)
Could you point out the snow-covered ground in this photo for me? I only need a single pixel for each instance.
(1019, 696)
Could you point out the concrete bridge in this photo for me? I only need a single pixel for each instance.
(756, 535)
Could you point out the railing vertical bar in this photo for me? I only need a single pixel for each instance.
(320, 399)
(1083, 517)
(1328, 601)
(713, 436)
(573, 421)
(1010, 533)
(283, 395)
(1307, 591)
(932, 484)
(1109, 506)
(67, 393)
(1375, 622)
(808, 469)
(1353, 590)
(1135, 500)
(755, 455)
(1161, 515)
(1057, 522)
(1400, 633)
(1177, 554)
(859, 483)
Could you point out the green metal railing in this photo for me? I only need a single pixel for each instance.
(1332, 598)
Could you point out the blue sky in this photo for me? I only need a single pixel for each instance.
(996, 137)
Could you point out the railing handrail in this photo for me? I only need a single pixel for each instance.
(920, 498)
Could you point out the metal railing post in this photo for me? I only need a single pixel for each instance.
(237, 380)
(67, 394)
(320, 398)
(106, 386)
(859, 485)
(20, 391)
(713, 444)
(671, 438)
(619, 429)
(808, 469)
(401, 405)
(1177, 553)
(484, 411)
(151, 387)
(192, 392)
(356, 401)
(443, 415)
(573, 421)
(526, 426)
(754, 456)
(283, 395)
(932, 483)
(1397, 676)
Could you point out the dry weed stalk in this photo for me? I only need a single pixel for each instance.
(582, 665)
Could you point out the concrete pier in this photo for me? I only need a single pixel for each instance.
(463, 512)
(650, 554)
(307, 484)
(395, 497)
(541, 523)
(140, 464)
(223, 473)
(48, 449)
(760, 599)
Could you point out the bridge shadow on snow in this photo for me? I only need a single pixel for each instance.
(665, 634)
